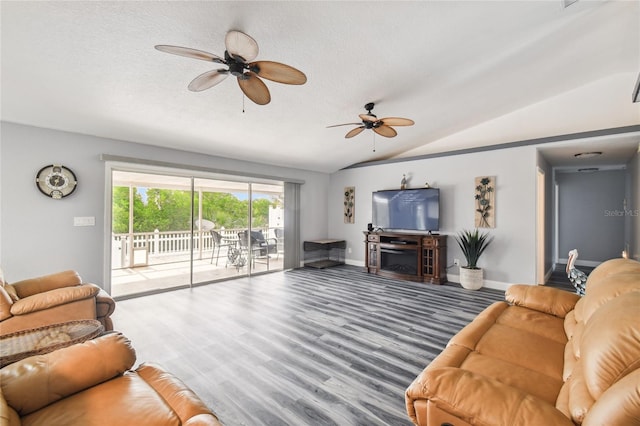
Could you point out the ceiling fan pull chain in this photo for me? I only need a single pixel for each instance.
(243, 102)
(374, 142)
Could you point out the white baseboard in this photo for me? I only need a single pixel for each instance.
(548, 274)
(496, 285)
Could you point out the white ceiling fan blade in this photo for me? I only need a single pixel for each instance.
(368, 117)
(241, 46)
(207, 80)
(190, 53)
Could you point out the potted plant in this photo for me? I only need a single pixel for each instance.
(473, 244)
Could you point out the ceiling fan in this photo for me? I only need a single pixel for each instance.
(241, 49)
(381, 126)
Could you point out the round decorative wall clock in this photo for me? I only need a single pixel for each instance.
(56, 181)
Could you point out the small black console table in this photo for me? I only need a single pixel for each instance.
(324, 253)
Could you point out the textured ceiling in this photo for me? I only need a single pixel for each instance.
(468, 73)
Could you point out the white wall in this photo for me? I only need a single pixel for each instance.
(549, 209)
(509, 259)
(37, 235)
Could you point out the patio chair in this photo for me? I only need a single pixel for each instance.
(217, 244)
(257, 245)
(279, 233)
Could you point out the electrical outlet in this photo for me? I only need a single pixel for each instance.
(456, 262)
(349, 250)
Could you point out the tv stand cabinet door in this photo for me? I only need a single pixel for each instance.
(434, 258)
(372, 253)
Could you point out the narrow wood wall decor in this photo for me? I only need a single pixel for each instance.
(349, 204)
(485, 202)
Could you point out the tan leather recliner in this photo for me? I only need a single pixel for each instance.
(543, 357)
(92, 384)
(52, 299)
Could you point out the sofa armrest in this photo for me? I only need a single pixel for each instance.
(105, 306)
(40, 380)
(549, 300)
(29, 287)
(56, 297)
(182, 400)
(477, 399)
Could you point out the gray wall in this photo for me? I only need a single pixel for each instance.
(37, 235)
(632, 214)
(591, 215)
(510, 258)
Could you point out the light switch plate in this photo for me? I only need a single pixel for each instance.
(84, 221)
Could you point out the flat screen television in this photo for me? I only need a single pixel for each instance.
(407, 209)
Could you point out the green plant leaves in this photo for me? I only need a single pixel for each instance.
(473, 244)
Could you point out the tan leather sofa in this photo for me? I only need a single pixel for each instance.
(92, 384)
(52, 299)
(543, 357)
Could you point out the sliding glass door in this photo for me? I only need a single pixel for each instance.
(222, 211)
(150, 233)
(172, 231)
(267, 227)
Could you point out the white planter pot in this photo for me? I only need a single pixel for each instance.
(471, 279)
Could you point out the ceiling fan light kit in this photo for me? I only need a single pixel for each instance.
(241, 49)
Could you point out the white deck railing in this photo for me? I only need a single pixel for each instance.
(162, 247)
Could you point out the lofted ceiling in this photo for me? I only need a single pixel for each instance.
(469, 74)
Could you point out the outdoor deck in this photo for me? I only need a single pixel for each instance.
(165, 270)
(143, 279)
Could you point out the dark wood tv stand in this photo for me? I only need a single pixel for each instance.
(407, 256)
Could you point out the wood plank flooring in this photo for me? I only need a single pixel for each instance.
(332, 346)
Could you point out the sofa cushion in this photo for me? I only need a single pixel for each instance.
(530, 381)
(464, 394)
(533, 365)
(608, 356)
(471, 334)
(37, 381)
(524, 349)
(127, 400)
(48, 299)
(33, 286)
(599, 294)
(619, 405)
(543, 299)
(612, 266)
(536, 322)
